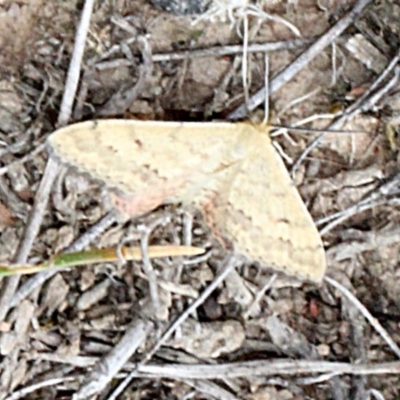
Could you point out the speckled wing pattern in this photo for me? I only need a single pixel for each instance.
(230, 171)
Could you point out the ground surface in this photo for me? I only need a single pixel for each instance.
(76, 317)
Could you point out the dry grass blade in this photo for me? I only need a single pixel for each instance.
(69, 260)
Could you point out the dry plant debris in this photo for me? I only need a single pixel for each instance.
(67, 335)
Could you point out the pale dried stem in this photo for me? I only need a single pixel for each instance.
(259, 297)
(357, 349)
(187, 228)
(22, 160)
(298, 100)
(149, 271)
(280, 129)
(245, 369)
(74, 70)
(210, 388)
(344, 215)
(251, 369)
(21, 394)
(266, 88)
(187, 233)
(319, 379)
(245, 59)
(259, 13)
(15, 147)
(352, 245)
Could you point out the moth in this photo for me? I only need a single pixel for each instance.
(230, 171)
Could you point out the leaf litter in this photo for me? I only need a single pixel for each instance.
(58, 335)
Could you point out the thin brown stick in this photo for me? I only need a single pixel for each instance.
(232, 50)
